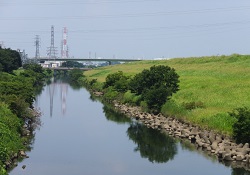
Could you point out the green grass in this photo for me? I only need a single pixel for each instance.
(221, 83)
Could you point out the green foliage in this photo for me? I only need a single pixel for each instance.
(35, 67)
(153, 145)
(118, 80)
(23, 89)
(75, 75)
(9, 60)
(110, 94)
(131, 98)
(220, 82)
(2, 170)
(193, 105)
(9, 136)
(72, 64)
(8, 118)
(155, 97)
(114, 115)
(17, 105)
(171, 108)
(155, 85)
(241, 127)
(155, 77)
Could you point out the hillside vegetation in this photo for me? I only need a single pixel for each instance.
(210, 87)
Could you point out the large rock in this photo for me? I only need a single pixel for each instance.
(228, 157)
(214, 145)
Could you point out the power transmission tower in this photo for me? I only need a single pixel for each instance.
(37, 44)
(52, 51)
(64, 47)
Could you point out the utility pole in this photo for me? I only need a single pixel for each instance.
(37, 44)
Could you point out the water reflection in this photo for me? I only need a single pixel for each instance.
(115, 116)
(152, 144)
(158, 147)
(54, 85)
(240, 171)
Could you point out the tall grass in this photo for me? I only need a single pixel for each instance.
(221, 83)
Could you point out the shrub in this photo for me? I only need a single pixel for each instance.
(131, 98)
(118, 81)
(75, 75)
(156, 97)
(241, 127)
(155, 85)
(193, 105)
(110, 94)
(155, 77)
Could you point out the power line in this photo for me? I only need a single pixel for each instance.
(75, 2)
(132, 15)
(141, 29)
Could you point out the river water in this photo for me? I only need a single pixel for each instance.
(81, 136)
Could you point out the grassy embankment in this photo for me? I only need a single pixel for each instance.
(220, 83)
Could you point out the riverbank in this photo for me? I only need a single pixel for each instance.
(221, 146)
(18, 117)
(210, 88)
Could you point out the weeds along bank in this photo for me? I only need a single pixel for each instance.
(18, 118)
(209, 88)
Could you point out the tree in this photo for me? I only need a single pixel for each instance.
(156, 97)
(155, 85)
(118, 80)
(156, 76)
(72, 64)
(35, 67)
(241, 127)
(75, 74)
(9, 60)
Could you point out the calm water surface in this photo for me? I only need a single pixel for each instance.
(80, 136)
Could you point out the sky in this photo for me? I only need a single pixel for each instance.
(128, 29)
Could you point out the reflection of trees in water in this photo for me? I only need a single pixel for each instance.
(115, 116)
(186, 145)
(152, 144)
(240, 171)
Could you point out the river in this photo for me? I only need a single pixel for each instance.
(81, 136)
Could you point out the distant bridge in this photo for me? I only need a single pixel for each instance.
(87, 59)
(67, 68)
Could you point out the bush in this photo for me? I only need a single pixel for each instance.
(75, 75)
(155, 86)
(241, 131)
(193, 105)
(155, 77)
(118, 81)
(131, 98)
(110, 94)
(9, 127)
(156, 97)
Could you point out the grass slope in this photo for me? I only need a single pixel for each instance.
(221, 83)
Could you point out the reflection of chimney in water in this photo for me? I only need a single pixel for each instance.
(51, 95)
(64, 90)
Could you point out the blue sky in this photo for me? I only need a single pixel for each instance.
(129, 28)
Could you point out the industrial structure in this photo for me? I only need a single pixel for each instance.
(37, 44)
(64, 47)
(52, 50)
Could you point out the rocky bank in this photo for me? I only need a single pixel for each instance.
(223, 147)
